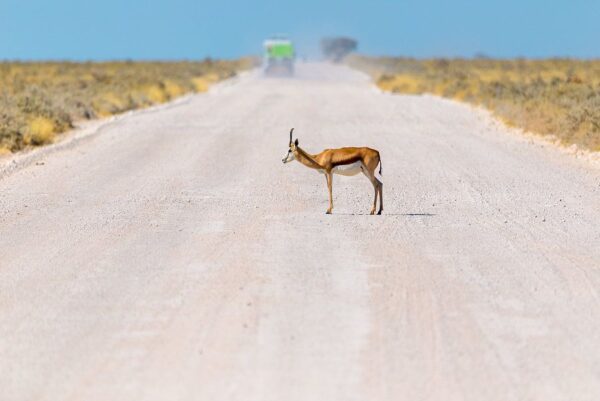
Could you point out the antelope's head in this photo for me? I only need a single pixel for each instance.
(291, 153)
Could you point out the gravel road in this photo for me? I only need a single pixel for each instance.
(172, 256)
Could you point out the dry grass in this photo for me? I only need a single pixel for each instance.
(40, 131)
(558, 97)
(40, 100)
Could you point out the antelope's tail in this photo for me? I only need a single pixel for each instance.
(380, 166)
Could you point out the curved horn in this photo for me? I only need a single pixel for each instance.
(292, 130)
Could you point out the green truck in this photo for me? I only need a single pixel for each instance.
(279, 57)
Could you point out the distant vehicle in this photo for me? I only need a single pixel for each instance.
(279, 56)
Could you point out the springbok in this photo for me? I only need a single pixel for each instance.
(343, 161)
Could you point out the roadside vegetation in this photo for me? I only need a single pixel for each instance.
(554, 97)
(40, 100)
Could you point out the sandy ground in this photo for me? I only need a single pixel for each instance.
(172, 256)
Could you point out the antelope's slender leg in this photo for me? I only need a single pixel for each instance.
(329, 176)
(371, 176)
(374, 200)
(380, 186)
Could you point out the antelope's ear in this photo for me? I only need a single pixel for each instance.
(296, 142)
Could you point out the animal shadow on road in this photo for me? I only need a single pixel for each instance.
(388, 214)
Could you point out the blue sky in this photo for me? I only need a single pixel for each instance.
(185, 29)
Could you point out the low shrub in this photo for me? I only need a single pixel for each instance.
(40, 131)
(558, 97)
(40, 100)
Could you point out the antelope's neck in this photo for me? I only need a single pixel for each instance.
(307, 159)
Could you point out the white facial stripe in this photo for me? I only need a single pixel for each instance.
(289, 156)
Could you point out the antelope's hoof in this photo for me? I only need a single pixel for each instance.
(372, 212)
(328, 212)
(379, 212)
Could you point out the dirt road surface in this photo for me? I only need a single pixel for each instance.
(172, 256)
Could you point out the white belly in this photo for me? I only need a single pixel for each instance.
(348, 169)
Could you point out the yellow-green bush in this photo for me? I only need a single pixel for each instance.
(39, 100)
(559, 97)
(40, 131)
